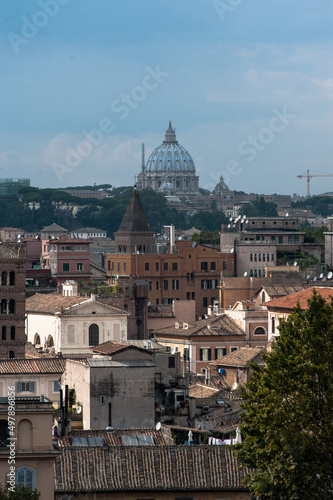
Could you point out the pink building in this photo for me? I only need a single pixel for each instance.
(68, 259)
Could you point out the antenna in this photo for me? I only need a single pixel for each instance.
(142, 157)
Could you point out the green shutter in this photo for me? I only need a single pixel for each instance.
(209, 354)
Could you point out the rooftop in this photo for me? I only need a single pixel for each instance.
(290, 301)
(214, 325)
(33, 366)
(241, 357)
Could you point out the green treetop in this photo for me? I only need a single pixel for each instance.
(287, 425)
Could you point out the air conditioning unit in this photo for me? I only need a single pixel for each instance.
(221, 371)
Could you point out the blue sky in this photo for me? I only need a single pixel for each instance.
(247, 84)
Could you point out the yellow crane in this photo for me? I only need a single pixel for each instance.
(308, 177)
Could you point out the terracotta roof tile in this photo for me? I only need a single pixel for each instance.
(46, 365)
(214, 325)
(153, 468)
(290, 301)
(110, 347)
(242, 357)
(51, 303)
(113, 438)
(281, 290)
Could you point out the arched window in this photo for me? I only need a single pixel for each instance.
(93, 334)
(11, 354)
(3, 333)
(24, 435)
(263, 297)
(26, 476)
(50, 342)
(12, 278)
(12, 306)
(4, 433)
(4, 278)
(37, 339)
(259, 331)
(12, 333)
(4, 306)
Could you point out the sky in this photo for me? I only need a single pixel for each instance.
(247, 85)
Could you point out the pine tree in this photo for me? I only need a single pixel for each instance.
(288, 419)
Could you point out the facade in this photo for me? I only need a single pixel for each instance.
(170, 169)
(329, 244)
(53, 231)
(235, 367)
(115, 388)
(32, 377)
(12, 299)
(11, 186)
(203, 341)
(68, 259)
(72, 325)
(87, 233)
(190, 273)
(33, 447)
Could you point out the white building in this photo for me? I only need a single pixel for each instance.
(72, 325)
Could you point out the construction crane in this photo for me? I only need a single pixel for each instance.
(308, 177)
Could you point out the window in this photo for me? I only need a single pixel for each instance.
(157, 266)
(204, 266)
(259, 331)
(213, 284)
(205, 354)
(150, 285)
(80, 248)
(263, 297)
(56, 386)
(204, 284)
(251, 257)
(193, 295)
(255, 273)
(172, 362)
(157, 286)
(186, 353)
(175, 284)
(259, 257)
(263, 257)
(146, 266)
(93, 334)
(273, 324)
(293, 238)
(26, 476)
(188, 296)
(12, 278)
(204, 301)
(79, 266)
(12, 306)
(4, 278)
(25, 386)
(213, 266)
(225, 266)
(280, 239)
(233, 349)
(157, 301)
(12, 333)
(3, 334)
(268, 257)
(220, 352)
(175, 266)
(165, 266)
(65, 267)
(65, 248)
(255, 257)
(273, 238)
(165, 284)
(272, 257)
(102, 399)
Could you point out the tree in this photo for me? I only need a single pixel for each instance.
(287, 423)
(20, 493)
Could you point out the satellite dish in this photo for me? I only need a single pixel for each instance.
(315, 278)
(18, 236)
(194, 244)
(234, 386)
(230, 218)
(228, 226)
(329, 276)
(232, 250)
(246, 222)
(321, 275)
(308, 277)
(324, 278)
(287, 214)
(173, 350)
(158, 426)
(245, 274)
(78, 409)
(295, 263)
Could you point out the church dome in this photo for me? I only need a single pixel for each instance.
(170, 156)
(166, 186)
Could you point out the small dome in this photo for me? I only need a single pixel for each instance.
(166, 186)
(221, 186)
(170, 156)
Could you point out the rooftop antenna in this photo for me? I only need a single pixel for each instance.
(143, 157)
